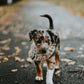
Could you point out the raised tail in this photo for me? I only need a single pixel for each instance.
(50, 20)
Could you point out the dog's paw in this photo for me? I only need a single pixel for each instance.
(39, 78)
(44, 65)
(56, 67)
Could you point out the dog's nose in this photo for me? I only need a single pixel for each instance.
(43, 50)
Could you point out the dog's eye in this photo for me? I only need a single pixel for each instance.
(48, 41)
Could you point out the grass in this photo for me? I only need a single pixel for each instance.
(8, 8)
(76, 6)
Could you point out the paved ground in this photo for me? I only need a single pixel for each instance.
(14, 43)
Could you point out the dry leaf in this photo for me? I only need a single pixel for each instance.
(5, 32)
(5, 41)
(14, 54)
(19, 59)
(66, 60)
(71, 63)
(22, 36)
(5, 59)
(0, 61)
(2, 57)
(6, 47)
(81, 66)
(18, 50)
(69, 49)
(2, 53)
(24, 66)
(29, 60)
(14, 70)
(26, 47)
(57, 73)
(24, 43)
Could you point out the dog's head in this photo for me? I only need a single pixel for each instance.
(43, 39)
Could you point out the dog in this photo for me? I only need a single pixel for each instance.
(45, 46)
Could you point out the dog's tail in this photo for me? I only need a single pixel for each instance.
(50, 20)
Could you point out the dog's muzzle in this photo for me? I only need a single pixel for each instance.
(43, 50)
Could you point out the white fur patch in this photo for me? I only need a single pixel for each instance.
(49, 76)
(39, 78)
(56, 67)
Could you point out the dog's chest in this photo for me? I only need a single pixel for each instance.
(36, 56)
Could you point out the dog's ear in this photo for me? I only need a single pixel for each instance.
(32, 34)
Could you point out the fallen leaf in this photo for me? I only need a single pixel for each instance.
(14, 54)
(0, 61)
(18, 50)
(2, 53)
(22, 36)
(81, 66)
(24, 43)
(6, 47)
(2, 57)
(69, 49)
(14, 70)
(71, 63)
(29, 60)
(26, 47)
(19, 59)
(5, 41)
(5, 59)
(24, 66)
(66, 60)
(5, 32)
(57, 73)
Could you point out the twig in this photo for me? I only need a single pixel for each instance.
(77, 72)
(7, 74)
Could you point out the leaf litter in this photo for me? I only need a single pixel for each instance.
(14, 70)
(17, 59)
(69, 61)
(5, 59)
(69, 49)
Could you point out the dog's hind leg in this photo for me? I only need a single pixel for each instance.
(39, 75)
(56, 60)
(57, 71)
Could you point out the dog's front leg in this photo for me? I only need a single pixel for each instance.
(50, 71)
(39, 74)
